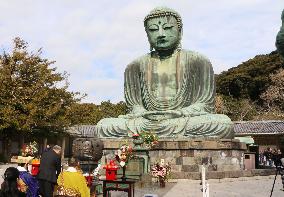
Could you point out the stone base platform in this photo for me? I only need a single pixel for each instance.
(146, 179)
(223, 174)
(187, 156)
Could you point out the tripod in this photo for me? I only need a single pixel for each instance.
(278, 169)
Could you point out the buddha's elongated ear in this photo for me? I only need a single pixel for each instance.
(179, 47)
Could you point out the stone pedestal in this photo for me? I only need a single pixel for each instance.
(145, 158)
(190, 155)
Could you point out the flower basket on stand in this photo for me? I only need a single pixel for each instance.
(122, 156)
(29, 152)
(161, 171)
(162, 182)
(29, 149)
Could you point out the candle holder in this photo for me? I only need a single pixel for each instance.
(137, 141)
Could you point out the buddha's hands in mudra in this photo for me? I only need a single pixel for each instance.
(154, 115)
(164, 115)
(192, 113)
(171, 114)
(161, 115)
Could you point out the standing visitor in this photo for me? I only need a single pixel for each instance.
(30, 181)
(282, 171)
(73, 178)
(261, 157)
(50, 168)
(268, 156)
(279, 163)
(277, 158)
(264, 157)
(9, 188)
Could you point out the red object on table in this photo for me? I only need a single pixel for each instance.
(111, 170)
(35, 169)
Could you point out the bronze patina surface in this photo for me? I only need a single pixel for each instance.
(169, 91)
(280, 37)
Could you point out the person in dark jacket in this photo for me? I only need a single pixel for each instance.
(50, 168)
(279, 163)
(9, 188)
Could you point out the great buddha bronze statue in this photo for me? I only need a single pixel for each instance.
(280, 37)
(169, 91)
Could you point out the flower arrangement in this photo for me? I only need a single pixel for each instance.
(96, 171)
(124, 154)
(161, 171)
(150, 139)
(29, 149)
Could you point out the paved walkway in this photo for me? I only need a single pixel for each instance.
(259, 186)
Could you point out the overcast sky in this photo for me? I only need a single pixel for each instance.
(94, 40)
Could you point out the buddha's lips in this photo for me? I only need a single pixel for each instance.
(161, 41)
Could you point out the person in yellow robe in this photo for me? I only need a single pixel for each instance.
(74, 179)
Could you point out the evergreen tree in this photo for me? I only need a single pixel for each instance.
(89, 113)
(249, 79)
(33, 95)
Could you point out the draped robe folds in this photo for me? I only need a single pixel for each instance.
(194, 99)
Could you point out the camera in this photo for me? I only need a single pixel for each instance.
(278, 162)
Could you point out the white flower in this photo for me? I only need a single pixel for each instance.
(122, 163)
(96, 171)
(119, 153)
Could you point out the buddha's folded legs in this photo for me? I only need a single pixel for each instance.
(112, 127)
(205, 126)
(208, 126)
(119, 127)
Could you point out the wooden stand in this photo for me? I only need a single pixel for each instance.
(119, 185)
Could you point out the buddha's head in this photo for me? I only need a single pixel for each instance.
(164, 29)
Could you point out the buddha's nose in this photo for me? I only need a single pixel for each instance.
(161, 33)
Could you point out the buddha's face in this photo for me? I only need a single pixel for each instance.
(163, 33)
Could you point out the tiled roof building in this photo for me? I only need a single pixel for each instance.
(259, 127)
(269, 133)
(82, 130)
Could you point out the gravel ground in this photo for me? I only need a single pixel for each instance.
(259, 186)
